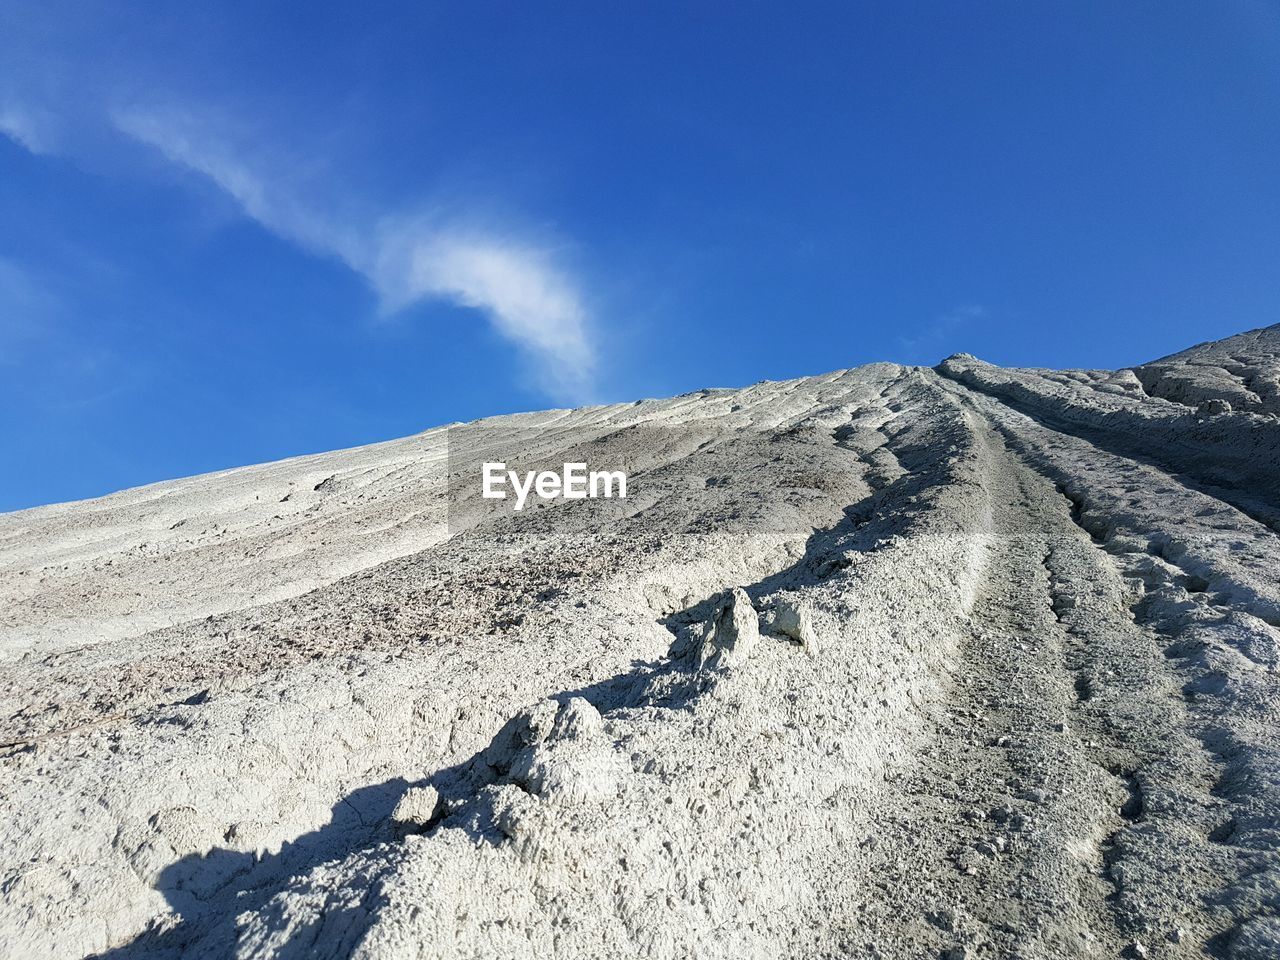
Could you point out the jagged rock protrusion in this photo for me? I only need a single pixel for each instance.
(574, 762)
(731, 633)
(417, 809)
(794, 621)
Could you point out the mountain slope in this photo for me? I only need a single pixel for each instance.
(891, 662)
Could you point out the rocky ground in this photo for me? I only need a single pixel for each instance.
(895, 662)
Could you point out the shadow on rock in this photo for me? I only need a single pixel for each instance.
(207, 892)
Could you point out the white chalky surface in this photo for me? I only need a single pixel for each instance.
(893, 662)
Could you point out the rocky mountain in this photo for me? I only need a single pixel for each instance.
(894, 662)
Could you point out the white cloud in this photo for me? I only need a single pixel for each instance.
(180, 139)
(25, 128)
(528, 300)
(516, 284)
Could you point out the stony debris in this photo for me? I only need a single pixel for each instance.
(574, 762)
(731, 634)
(792, 620)
(417, 809)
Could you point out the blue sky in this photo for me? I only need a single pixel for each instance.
(233, 232)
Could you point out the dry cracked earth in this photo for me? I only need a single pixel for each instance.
(897, 662)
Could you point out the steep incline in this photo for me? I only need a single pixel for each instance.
(1241, 371)
(890, 663)
(1229, 453)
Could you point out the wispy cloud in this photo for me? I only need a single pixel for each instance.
(25, 127)
(270, 200)
(528, 299)
(515, 284)
(27, 308)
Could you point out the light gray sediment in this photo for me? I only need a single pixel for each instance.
(893, 662)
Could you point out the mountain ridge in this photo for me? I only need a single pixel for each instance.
(890, 661)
